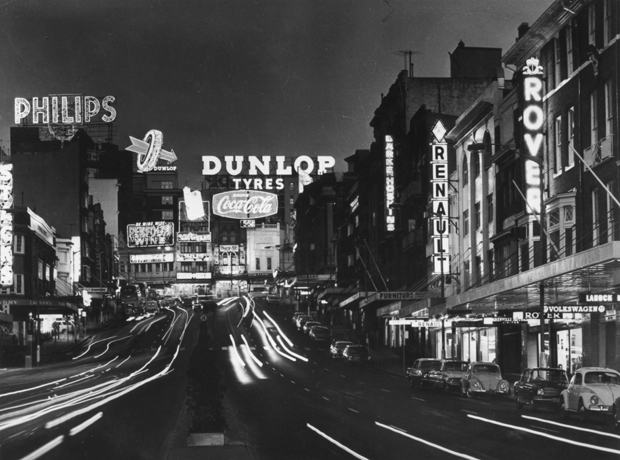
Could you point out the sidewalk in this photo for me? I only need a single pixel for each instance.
(388, 360)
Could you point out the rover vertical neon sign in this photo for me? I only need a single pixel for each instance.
(533, 120)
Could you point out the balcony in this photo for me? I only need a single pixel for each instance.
(598, 152)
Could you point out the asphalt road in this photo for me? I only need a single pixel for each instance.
(117, 398)
(324, 409)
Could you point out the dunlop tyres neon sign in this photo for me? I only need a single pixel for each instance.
(439, 198)
(390, 219)
(533, 121)
(6, 224)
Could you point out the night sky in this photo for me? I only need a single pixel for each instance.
(240, 77)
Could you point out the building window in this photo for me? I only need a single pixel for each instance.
(570, 126)
(16, 288)
(167, 199)
(554, 218)
(19, 246)
(224, 237)
(476, 158)
(595, 217)
(166, 184)
(233, 237)
(569, 50)
(257, 263)
(568, 241)
(268, 263)
(200, 248)
(466, 222)
(609, 210)
(41, 269)
(291, 201)
(186, 267)
(357, 221)
(186, 248)
(609, 118)
(167, 215)
(607, 32)
(490, 209)
(350, 261)
(591, 24)
(593, 118)
(291, 186)
(465, 172)
(558, 145)
(478, 217)
(558, 61)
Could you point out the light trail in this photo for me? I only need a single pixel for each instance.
(44, 449)
(303, 358)
(546, 435)
(587, 430)
(273, 343)
(107, 348)
(423, 441)
(31, 388)
(290, 344)
(332, 440)
(93, 343)
(234, 346)
(254, 358)
(82, 426)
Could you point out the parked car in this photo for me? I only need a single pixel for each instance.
(483, 378)
(308, 324)
(592, 391)
(303, 320)
(356, 354)
(337, 347)
(447, 377)
(420, 368)
(319, 333)
(273, 299)
(540, 386)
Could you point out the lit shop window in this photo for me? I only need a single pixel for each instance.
(167, 215)
(167, 200)
(166, 184)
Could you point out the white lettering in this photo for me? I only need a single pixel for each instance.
(533, 117)
(533, 144)
(533, 89)
(232, 170)
(211, 165)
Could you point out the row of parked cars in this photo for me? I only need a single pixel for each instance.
(591, 391)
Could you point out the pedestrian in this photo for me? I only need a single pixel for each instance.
(203, 323)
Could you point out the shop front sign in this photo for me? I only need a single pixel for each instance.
(150, 234)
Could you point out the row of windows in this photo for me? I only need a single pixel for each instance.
(188, 248)
(148, 268)
(16, 288)
(188, 267)
(478, 215)
(258, 264)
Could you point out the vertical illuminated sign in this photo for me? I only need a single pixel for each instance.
(6, 225)
(533, 119)
(390, 219)
(439, 202)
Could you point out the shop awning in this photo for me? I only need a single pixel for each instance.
(595, 270)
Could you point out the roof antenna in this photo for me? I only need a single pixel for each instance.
(407, 61)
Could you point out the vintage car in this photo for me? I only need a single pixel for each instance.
(319, 333)
(337, 347)
(420, 368)
(483, 378)
(592, 390)
(540, 386)
(356, 354)
(447, 377)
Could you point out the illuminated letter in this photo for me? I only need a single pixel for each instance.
(281, 169)
(533, 117)
(22, 109)
(534, 144)
(230, 169)
(106, 106)
(91, 107)
(54, 109)
(65, 111)
(533, 89)
(256, 163)
(299, 160)
(43, 109)
(78, 109)
(324, 163)
(207, 169)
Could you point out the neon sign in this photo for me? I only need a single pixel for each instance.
(245, 204)
(236, 165)
(150, 234)
(66, 110)
(439, 201)
(149, 150)
(6, 225)
(533, 119)
(390, 219)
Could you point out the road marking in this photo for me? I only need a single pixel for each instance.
(545, 435)
(44, 449)
(469, 412)
(292, 382)
(82, 426)
(361, 382)
(353, 410)
(587, 430)
(436, 446)
(224, 348)
(326, 399)
(545, 429)
(308, 348)
(326, 369)
(342, 446)
(343, 376)
(282, 375)
(420, 399)
(307, 390)
(387, 391)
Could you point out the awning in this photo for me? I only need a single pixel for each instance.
(20, 308)
(595, 270)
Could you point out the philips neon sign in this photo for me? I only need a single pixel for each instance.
(533, 120)
(390, 218)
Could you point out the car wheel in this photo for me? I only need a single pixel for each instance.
(581, 411)
(563, 412)
(519, 404)
(470, 394)
(615, 417)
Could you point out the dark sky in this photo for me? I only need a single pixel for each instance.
(240, 77)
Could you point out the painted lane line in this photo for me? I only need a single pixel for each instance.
(545, 429)
(387, 391)
(423, 441)
(307, 390)
(307, 348)
(82, 426)
(332, 440)
(44, 449)
(326, 399)
(343, 376)
(587, 430)
(353, 410)
(470, 412)
(293, 382)
(361, 383)
(545, 435)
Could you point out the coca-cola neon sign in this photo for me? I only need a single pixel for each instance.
(245, 204)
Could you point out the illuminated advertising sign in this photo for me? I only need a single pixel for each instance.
(194, 257)
(150, 150)
(6, 225)
(390, 219)
(41, 228)
(236, 165)
(245, 204)
(439, 200)
(194, 237)
(247, 223)
(533, 119)
(150, 234)
(194, 276)
(150, 258)
(64, 109)
(189, 225)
